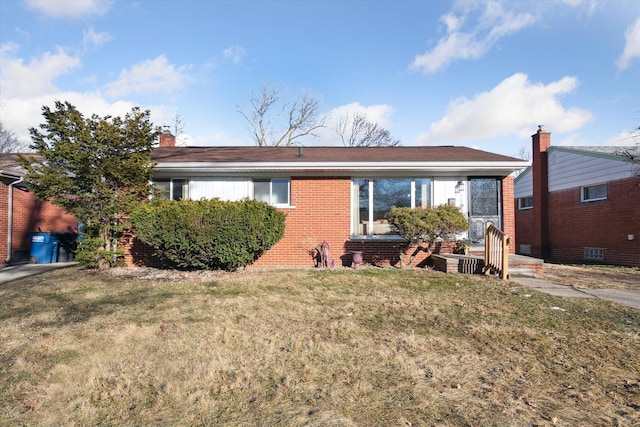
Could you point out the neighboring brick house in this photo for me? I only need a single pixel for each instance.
(578, 204)
(340, 194)
(21, 213)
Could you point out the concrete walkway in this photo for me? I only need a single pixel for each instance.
(628, 297)
(15, 272)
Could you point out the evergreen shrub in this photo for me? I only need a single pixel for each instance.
(208, 234)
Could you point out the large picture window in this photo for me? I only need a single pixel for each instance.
(373, 198)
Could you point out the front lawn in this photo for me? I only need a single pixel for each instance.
(311, 347)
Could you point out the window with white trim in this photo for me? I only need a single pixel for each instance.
(173, 189)
(525, 203)
(373, 198)
(275, 192)
(593, 192)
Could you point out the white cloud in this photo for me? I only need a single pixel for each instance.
(92, 39)
(26, 86)
(632, 45)
(152, 75)
(627, 137)
(452, 22)
(235, 53)
(493, 24)
(36, 77)
(380, 114)
(513, 107)
(20, 114)
(591, 4)
(71, 9)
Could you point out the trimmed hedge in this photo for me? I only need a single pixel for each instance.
(208, 234)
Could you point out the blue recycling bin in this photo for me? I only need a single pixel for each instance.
(44, 248)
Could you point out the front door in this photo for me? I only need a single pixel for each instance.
(484, 206)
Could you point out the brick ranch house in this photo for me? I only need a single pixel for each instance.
(341, 194)
(21, 213)
(578, 204)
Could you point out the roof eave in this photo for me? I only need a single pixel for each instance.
(495, 168)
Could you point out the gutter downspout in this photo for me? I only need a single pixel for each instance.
(10, 218)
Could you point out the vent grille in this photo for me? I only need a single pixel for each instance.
(525, 249)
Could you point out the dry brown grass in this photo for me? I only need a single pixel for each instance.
(311, 347)
(584, 276)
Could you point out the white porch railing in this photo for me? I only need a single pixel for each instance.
(496, 252)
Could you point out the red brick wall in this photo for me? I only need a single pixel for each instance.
(321, 211)
(525, 230)
(30, 215)
(508, 214)
(606, 224)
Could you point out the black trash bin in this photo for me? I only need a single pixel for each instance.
(67, 247)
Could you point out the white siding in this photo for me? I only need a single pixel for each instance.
(222, 188)
(571, 170)
(524, 186)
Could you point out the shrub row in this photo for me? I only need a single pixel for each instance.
(208, 234)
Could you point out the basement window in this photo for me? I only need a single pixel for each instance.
(596, 254)
(593, 192)
(525, 203)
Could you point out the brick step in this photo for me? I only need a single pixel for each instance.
(519, 265)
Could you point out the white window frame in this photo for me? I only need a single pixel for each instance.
(584, 189)
(521, 205)
(171, 181)
(271, 180)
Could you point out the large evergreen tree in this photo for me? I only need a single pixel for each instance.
(95, 168)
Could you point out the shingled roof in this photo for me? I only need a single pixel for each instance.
(256, 154)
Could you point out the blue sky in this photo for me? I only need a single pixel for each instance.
(482, 74)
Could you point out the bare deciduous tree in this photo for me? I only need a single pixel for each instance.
(9, 142)
(177, 123)
(359, 131)
(274, 122)
(633, 154)
(524, 154)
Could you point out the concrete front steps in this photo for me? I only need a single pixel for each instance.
(519, 265)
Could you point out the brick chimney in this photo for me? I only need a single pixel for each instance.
(167, 139)
(541, 141)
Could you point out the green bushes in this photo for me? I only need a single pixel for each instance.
(92, 254)
(208, 234)
(426, 225)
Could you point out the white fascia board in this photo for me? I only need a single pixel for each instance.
(498, 168)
